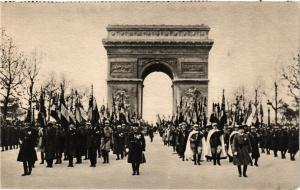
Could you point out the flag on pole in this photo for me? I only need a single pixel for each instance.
(93, 112)
(42, 110)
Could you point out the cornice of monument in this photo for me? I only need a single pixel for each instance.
(159, 42)
(157, 35)
(156, 27)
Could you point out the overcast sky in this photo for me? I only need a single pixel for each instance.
(252, 41)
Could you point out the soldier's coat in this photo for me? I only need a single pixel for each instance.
(208, 147)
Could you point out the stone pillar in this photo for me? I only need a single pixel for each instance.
(181, 86)
(132, 88)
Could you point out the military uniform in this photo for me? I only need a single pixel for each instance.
(59, 143)
(49, 144)
(293, 145)
(136, 146)
(283, 142)
(275, 141)
(27, 153)
(93, 137)
(106, 143)
(70, 144)
(119, 142)
(254, 138)
(242, 149)
(194, 145)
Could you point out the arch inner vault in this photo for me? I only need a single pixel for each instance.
(135, 51)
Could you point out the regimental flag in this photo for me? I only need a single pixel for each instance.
(42, 110)
(80, 114)
(223, 118)
(64, 113)
(223, 101)
(158, 119)
(107, 113)
(29, 114)
(251, 115)
(54, 107)
(93, 112)
(261, 112)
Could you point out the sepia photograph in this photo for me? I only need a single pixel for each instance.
(150, 95)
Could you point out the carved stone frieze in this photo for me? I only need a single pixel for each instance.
(121, 67)
(192, 67)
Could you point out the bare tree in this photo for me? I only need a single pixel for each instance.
(50, 87)
(291, 75)
(13, 64)
(31, 74)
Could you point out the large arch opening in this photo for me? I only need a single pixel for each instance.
(157, 96)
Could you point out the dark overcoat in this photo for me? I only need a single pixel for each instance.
(293, 141)
(27, 151)
(3, 136)
(283, 140)
(182, 140)
(59, 140)
(241, 145)
(275, 140)
(119, 142)
(136, 145)
(254, 145)
(70, 142)
(49, 143)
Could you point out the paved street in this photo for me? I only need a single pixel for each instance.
(162, 170)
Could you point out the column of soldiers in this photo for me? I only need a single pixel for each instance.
(10, 136)
(213, 143)
(73, 143)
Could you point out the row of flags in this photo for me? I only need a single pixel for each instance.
(191, 109)
(70, 110)
(194, 111)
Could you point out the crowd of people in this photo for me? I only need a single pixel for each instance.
(74, 143)
(10, 137)
(241, 144)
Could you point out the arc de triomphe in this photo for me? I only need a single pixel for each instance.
(134, 51)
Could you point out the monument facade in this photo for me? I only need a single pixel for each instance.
(135, 51)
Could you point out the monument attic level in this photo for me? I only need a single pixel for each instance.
(134, 51)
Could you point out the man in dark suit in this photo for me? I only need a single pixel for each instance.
(254, 138)
(49, 144)
(136, 146)
(27, 153)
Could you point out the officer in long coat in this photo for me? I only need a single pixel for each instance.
(216, 146)
(275, 140)
(194, 144)
(59, 143)
(268, 140)
(49, 144)
(106, 141)
(27, 153)
(40, 144)
(3, 137)
(151, 133)
(254, 139)
(241, 150)
(293, 142)
(182, 140)
(70, 143)
(136, 146)
(93, 137)
(119, 142)
(283, 141)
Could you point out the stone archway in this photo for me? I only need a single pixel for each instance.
(134, 51)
